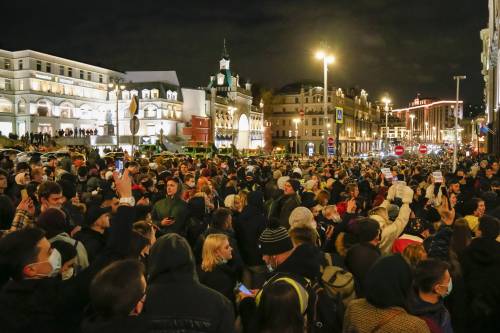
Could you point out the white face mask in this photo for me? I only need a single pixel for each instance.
(55, 262)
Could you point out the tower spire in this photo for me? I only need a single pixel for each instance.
(224, 51)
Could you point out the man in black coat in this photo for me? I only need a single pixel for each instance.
(93, 234)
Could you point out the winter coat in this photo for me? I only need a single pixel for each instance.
(175, 300)
(304, 261)
(173, 207)
(52, 305)
(282, 208)
(436, 315)
(481, 271)
(359, 259)
(361, 316)
(130, 324)
(93, 241)
(248, 227)
(222, 278)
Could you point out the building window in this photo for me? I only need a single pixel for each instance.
(81, 74)
(150, 112)
(61, 70)
(307, 99)
(48, 67)
(284, 110)
(283, 133)
(296, 100)
(320, 121)
(70, 72)
(313, 121)
(313, 132)
(101, 79)
(145, 94)
(6, 64)
(8, 84)
(89, 76)
(306, 133)
(277, 133)
(329, 99)
(38, 65)
(289, 122)
(283, 122)
(320, 132)
(20, 64)
(155, 93)
(306, 122)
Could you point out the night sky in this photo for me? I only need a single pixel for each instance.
(401, 47)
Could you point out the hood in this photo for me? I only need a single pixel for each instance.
(388, 282)
(171, 259)
(196, 207)
(485, 251)
(305, 261)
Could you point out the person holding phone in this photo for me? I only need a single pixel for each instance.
(171, 213)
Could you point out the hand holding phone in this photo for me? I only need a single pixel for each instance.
(242, 288)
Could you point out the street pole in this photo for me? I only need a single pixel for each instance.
(458, 78)
(325, 106)
(117, 89)
(296, 136)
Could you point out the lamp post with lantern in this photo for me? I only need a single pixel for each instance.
(327, 59)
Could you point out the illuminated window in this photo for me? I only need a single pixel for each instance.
(146, 94)
(155, 93)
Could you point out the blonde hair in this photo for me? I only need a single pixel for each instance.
(209, 256)
(414, 253)
(243, 195)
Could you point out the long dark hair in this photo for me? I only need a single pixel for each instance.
(279, 310)
(461, 236)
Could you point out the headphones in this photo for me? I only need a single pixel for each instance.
(299, 289)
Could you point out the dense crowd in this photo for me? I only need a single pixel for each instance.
(253, 244)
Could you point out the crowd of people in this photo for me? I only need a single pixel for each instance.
(258, 244)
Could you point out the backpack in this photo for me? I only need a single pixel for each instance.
(338, 283)
(325, 313)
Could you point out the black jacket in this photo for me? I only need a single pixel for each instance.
(222, 278)
(481, 270)
(359, 259)
(304, 261)
(175, 300)
(93, 241)
(248, 227)
(52, 305)
(130, 324)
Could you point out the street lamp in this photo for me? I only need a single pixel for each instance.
(116, 86)
(386, 101)
(412, 116)
(296, 121)
(426, 134)
(458, 78)
(327, 59)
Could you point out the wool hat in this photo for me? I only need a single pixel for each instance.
(274, 241)
(297, 170)
(309, 185)
(367, 229)
(281, 182)
(94, 213)
(301, 216)
(295, 184)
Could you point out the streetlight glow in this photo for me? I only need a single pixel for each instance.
(320, 55)
(330, 59)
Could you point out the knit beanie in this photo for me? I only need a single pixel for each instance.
(309, 185)
(295, 184)
(274, 241)
(281, 182)
(301, 217)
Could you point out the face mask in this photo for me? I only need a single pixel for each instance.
(55, 262)
(68, 274)
(44, 178)
(450, 288)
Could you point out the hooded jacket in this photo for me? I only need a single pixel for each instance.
(176, 301)
(171, 206)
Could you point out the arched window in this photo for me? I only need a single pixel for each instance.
(150, 111)
(21, 106)
(125, 94)
(146, 94)
(66, 110)
(134, 93)
(43, 108)
(86, 112)
(174, 95)
(169, 94)
(155, 93)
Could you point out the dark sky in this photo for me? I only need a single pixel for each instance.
(401, 47)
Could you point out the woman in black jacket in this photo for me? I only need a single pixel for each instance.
(215, 271)
(248, 227)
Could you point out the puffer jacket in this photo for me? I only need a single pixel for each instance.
(175, 300)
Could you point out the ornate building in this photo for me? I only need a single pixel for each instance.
(491, 75)
(235, 120)
(45, 93)
(296, 114)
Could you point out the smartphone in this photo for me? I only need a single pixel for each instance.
(119, 165)
(244, 289)
(24, 194)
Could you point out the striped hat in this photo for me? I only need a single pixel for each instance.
(274, 241)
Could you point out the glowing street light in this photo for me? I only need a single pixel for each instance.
(296, 122)
(327, 59)
(116, 86)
